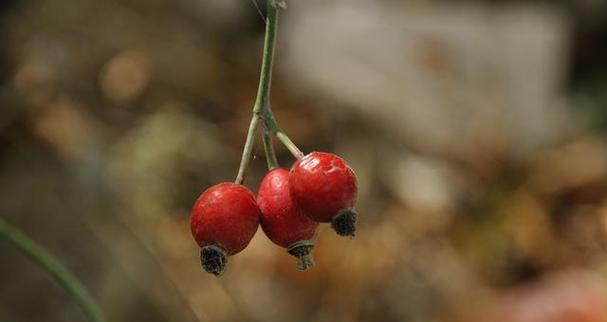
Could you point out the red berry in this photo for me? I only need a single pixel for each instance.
(282, 222)
(224, 219)
(324, 187)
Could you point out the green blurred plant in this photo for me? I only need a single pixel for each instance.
(54, 267)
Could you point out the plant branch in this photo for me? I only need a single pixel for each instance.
(289, 144)
(265, 78)
(262, 103)
(271, 125)
(261, 109)
(268, 147)
(53, 267)
(248, 149)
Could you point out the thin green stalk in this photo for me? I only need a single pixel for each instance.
(268, 147)
(52, 266)
(271, 124)
(289, 144)
(248, 149)
(262, 104)
(262, 109)
(265, 77)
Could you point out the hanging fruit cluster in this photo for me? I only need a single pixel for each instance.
(319, 188)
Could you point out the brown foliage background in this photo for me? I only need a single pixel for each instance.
(477, 130)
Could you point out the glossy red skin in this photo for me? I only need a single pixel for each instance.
(322, 184)
(225, 215)
(282, 222)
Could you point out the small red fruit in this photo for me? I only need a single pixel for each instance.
(282, 222)
(324, 187)
(224, 219)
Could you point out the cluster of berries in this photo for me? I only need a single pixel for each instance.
(320, 187)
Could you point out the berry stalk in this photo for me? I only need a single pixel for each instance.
(247, 150)
(261, 109)
(54, 268)
(270, 123)
(268, 147)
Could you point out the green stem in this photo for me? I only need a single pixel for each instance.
(248, 149)
(52, 266)
(265, 77)
(271, 124)
(262, 102)
(289, 144)
(269, 149)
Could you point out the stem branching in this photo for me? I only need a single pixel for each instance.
(262, 109)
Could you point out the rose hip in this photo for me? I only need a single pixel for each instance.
(324, 187)
(224, 219)
(281, 221)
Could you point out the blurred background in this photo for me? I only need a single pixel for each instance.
(477, 130)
